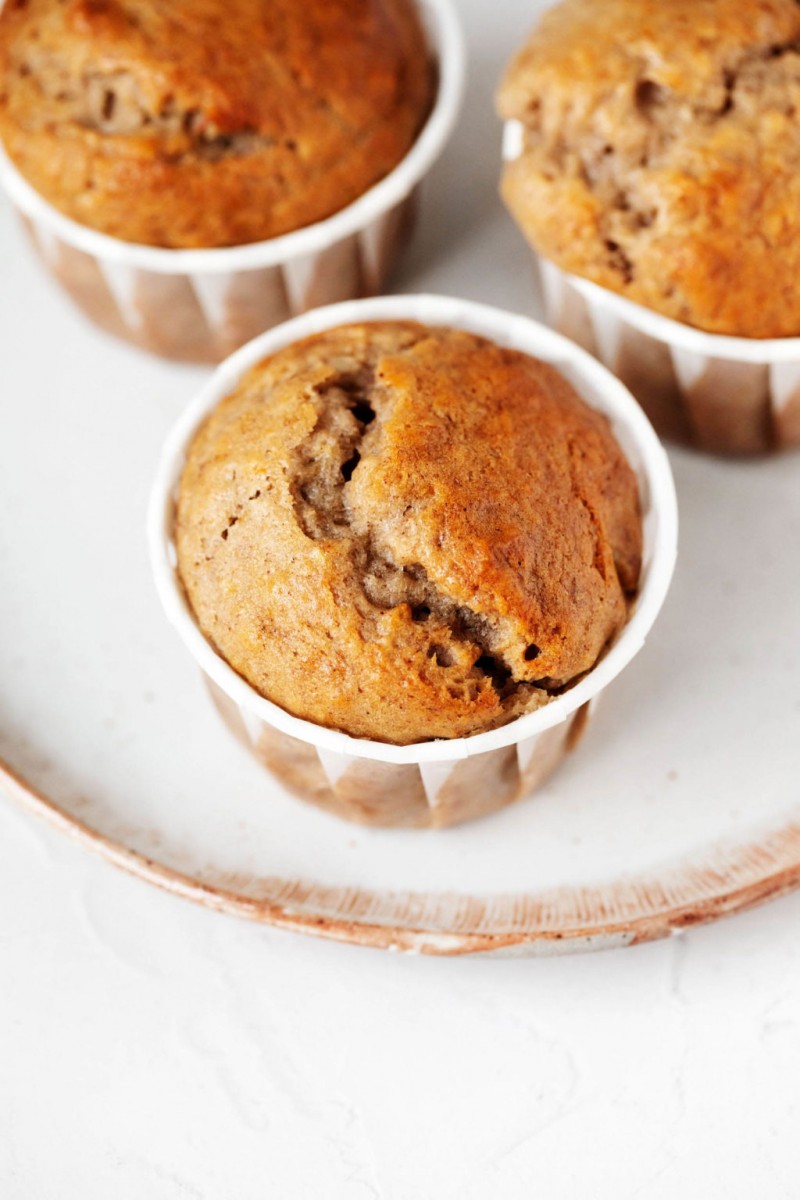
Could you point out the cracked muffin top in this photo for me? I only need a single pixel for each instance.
(406, 532)
(191, 123)
(661, 154)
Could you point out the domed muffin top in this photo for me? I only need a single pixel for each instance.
(661, 154)
(406, 532)
(190, 123)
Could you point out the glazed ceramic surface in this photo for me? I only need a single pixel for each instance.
(683, 791)
(680, 804)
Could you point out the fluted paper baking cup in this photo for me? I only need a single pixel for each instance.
(437, 782)
(725, 395)
(200, 305)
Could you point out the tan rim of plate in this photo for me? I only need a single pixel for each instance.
(565, 919)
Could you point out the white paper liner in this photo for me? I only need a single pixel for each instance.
(439, 782)
(200, 305)
(720, 394)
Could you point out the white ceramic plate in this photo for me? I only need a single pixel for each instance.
(681, 804)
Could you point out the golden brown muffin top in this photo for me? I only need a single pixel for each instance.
(406, 532)
(662, 154)
(186, 123)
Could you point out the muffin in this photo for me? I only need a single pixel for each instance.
(405, 532)
(656, 155)
(193, 172)
(202, 123)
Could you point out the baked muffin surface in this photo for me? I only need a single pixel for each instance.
(201, 123)
(662, 154)
(406, 532)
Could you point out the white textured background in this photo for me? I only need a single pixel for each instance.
(150, 1050)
